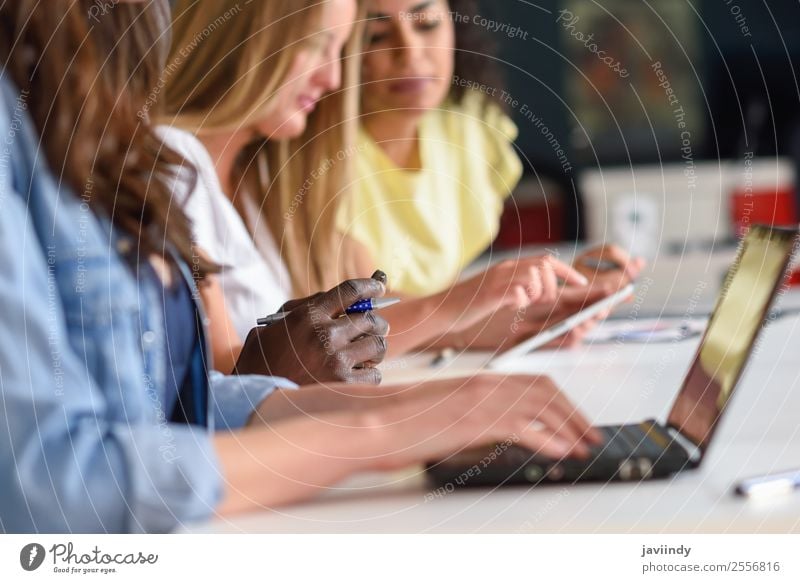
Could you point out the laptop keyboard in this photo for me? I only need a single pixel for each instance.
(630, 452)
(624, 441)
(621, 442)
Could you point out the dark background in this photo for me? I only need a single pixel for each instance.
(747, 90)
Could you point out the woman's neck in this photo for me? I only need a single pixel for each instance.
(224, 148)
(397, 133)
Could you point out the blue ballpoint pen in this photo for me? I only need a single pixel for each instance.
(359, 307)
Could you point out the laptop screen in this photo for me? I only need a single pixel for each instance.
(728, 340)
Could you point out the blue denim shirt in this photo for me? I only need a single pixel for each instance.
(85, 444)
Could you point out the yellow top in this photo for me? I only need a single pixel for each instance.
(422, 227)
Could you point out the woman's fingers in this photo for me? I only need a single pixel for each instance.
(368, 350)
(565, 409)
(521, 297)
(560, 427)
(365, 376)
(544, 443)
(611, 253)
(547, 410)
(631, 266)
(354, 326)
(535, 288)
(539, 276)
(484, 410)
(522, 291)
(569, 274)
(336, 301)
(549, 283)
(566, 272)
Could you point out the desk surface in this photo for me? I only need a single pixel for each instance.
(612, 384)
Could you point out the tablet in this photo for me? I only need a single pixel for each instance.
(562, 327)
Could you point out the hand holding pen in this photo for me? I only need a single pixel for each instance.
(318, 341)
(359, 307)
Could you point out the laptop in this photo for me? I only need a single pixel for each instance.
(651, 449)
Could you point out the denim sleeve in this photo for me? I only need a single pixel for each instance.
(234, 398)
(67, 464)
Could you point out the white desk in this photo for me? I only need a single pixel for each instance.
(612, 384)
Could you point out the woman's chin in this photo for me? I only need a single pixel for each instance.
(291, 128)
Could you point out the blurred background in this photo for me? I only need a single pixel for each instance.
(661, 125)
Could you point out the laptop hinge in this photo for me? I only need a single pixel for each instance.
(695, 453)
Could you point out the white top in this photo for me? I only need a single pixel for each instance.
(254, 280)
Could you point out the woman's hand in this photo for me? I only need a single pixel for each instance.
(621, 269)
(444, 417)
(513, 284)
(473, 410)
(303, 454)
(507, 328)
(317, 342)
(476, 410)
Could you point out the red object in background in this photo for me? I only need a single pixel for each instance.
(766, 206)
(776, 207)
(530, 223)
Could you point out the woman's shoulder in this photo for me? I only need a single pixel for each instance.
(184, 143)
(200, 192)
(199, 172)
(476, 115)
(485, 137)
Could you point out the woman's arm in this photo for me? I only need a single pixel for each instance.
(299, 456)
(507, 327)
(226, 346)
(73, 458)
(270, 466)
(442, 318)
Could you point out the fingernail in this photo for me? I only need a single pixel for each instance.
(583, 279)
(380, 276)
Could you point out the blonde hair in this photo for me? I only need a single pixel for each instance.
(228, 61)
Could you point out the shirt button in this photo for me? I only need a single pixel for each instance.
(149, 337)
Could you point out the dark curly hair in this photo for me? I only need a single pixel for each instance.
(475, 49)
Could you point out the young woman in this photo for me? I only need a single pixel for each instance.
(306, 346)
(246, 101)
(110, 421)
(437, 158)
